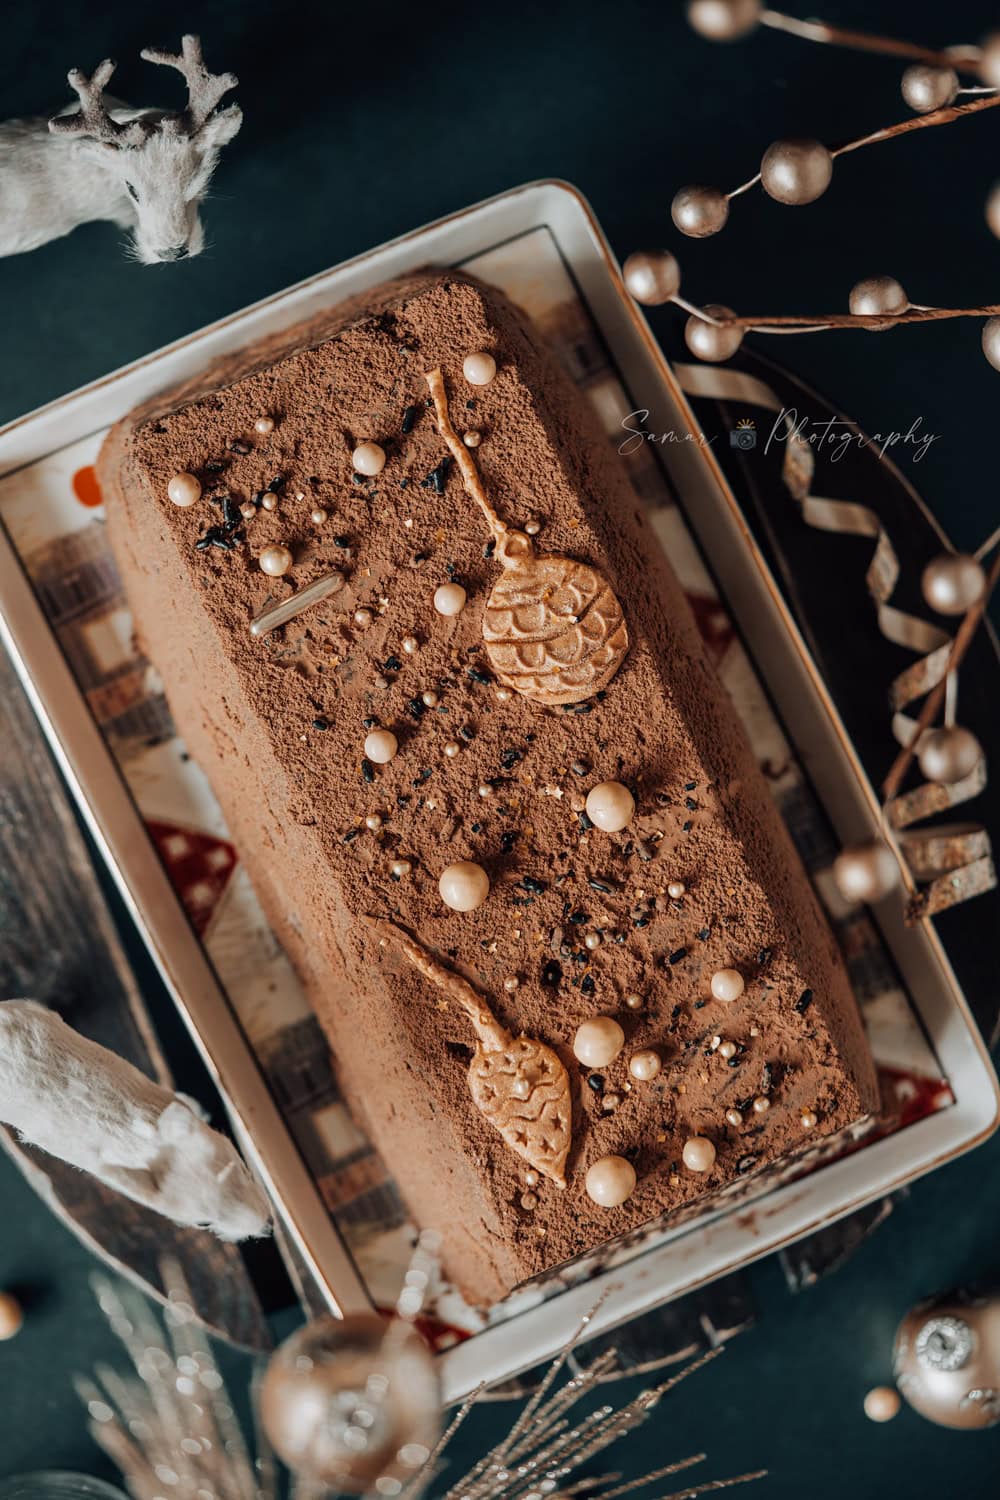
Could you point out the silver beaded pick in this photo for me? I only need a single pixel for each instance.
(280, 614)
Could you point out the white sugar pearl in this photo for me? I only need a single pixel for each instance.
(676, 889)
(511, 983)
(410, 645)
(400, 867)
(808, 1119)
(592, 941)
(485, 790)
(610, 1181)
(734, 1117)
(472, 439)
(264, 425)
(727, 985)
(449, 599)
(644, 1065)
(318, 516)
(452, 748)
(275, 561)
(610, 806)
(598, 1042)
(430, 699)
(698, 1154)
(184, 489)
(363, 617)
(248, 511)
(374, 822)
(269, 501)
(380, 746)
(634, 1002)
(761, 1104)
(504, 694)
(727, 1050)
(532, 527)
(479, 369)
(882, 1404)
(464, 886)
(368, 458)
(11, 1316)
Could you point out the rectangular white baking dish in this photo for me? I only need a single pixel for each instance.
(698, 1252)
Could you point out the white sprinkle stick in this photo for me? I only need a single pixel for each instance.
(280, 614)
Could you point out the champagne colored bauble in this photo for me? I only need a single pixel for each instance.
(989, 61)
(652, 276)
(709, 341)
(953, 583)
(926, 87)
(796, 171)
(553, 627)
(866, 872)
(948, 755)
(876, 295)
(699, 211)
(723, 20)
(991, 341)
(348, 1401)
(947, 1360)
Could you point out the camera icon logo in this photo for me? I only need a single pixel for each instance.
(743, 435)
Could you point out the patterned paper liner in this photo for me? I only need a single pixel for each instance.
(52, 511)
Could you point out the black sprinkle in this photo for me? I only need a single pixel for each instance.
(490, 548)
(766, 1078)
(677, 955)
(603, 886)
(703, 934)
(358, 478)
(510, 758)
(676, 1012)
(588, 985)
(420, 557)
(536, 887)
(764, 957)
(350, 835)
(699, 1005)
(321, 723)
(577, 708)
(595, 1082)
(391, 664)
(745, 1163)
(277, 483)
(343, 542)
(735, 1062)
(403, 483)
(237, 445)
(230, 514)
(467, 733)
(507, 842)
(435, 480)
(367, 770)
(477, 828)
(214, 466)
(686, 827)
(478, 675)
(585, 823)
(552, 973)
(578, 917)
(804, 1001)
(470, 405)
(580, 768)
(641, 922)
(369, 722)
(690, 804)
(403, 799)
(690, 786)
(410, 415)
(416, 708)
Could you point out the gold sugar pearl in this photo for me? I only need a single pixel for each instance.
(400, 867)
(727, 1050)
(452, 748)
(809, 1119)
(761, 1104)
(734, 1117)
(634, 1002)
(676, 889)
(430, 699)
(374, 822)
(368, 459)
(269, 501)
(184, 489)
(592, 941)
(264, 425)
(727, 985)
(318, 516)
(529, 1201)
(472, 439)
(380, 746)
(532, 527)
(511, 983)
(410, 645)
(364, 617)
(479, 368)
(275, 561)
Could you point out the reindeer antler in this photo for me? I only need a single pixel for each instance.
(205, 89)
(92, 118)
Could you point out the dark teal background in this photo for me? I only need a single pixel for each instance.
(362, 122)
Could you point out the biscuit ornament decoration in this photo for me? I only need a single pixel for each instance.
(553, 627)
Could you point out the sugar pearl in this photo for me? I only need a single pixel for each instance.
(676, 889)
(430, 699)
(363, 617)
(485, 790)
(734, 1117)
(504, 694)
(634, 1002)
(449, 599)
(529, 1201)
(410, 645)
(380, 746)
(882, 1404)
(374, 822)
(610, 1102)
(808, 1119)
(452, 748)
(727, 1050)
(472, 439)
(464, 886)
(592, 941)
(598, 1042)
(610, 1181)
(264, 425)
(644, 1065)
(610, 806)
(532, 527)
(248, 511)
(400, 867)
(727, 985)
(269, 501)
(11, 1316)
(184, 489)
(698, 1154)
(479, 369)
(521, 1088)
(368, 458)
(318, 516)
(761, 1104)
(531, 1178)
(511, 983)
(275, 561)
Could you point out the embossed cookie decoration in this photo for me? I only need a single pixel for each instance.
(518, 1084)
(553, 627)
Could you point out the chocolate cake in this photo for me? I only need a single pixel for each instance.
(497, 806)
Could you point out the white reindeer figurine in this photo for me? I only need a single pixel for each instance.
(145, 169)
